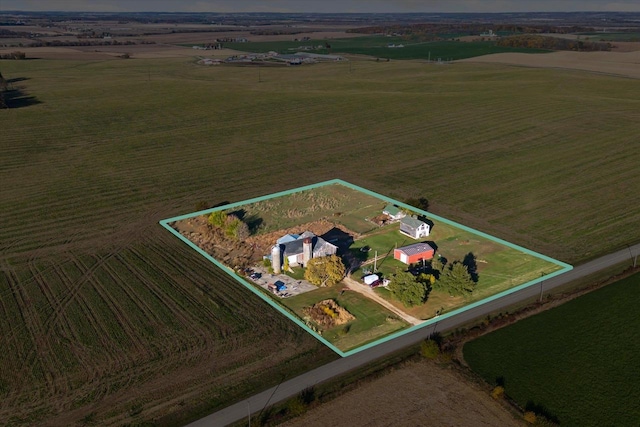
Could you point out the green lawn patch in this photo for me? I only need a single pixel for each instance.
(579, 361)
(372, 321)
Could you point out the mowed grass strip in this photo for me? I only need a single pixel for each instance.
(578, 361)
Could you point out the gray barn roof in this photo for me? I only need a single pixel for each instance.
(416, 248)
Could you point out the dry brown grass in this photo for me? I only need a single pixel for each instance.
(623, 63)
(419, 393)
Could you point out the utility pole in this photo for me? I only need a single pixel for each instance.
(635, 259)
(375, 262)
(541, 284)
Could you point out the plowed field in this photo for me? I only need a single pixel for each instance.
(106, 317)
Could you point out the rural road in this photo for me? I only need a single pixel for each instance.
(295, 385)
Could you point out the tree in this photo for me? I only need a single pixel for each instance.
(236, 228)
(429, 349)
(420, 203)
(437, 266)
(429, 279)
(408, 290)
(217, 218)
(470, 263)
(324, 271)
(456, 279)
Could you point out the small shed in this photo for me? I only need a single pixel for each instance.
(414, 253)
(393, 212)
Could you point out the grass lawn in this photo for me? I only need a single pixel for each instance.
(578, 361)
(372, 320)
(499, 267)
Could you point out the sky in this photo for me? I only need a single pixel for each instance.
(322, 6)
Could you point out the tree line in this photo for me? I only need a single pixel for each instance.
(533, 41)
(467, 28)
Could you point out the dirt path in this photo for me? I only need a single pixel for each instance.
(417, 394)
(369, 293)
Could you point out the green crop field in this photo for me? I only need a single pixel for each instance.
(617, 37)
(377, 46)
(578, 362)
(106, 317)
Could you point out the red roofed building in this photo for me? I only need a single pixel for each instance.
(414, 253)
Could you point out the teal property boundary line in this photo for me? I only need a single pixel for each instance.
(166, 224)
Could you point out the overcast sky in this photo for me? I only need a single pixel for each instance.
(335, 6)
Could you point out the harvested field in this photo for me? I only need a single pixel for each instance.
(105, 315)
(416, 394)
(616, 63)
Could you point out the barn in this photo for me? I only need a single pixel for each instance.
(414, 253)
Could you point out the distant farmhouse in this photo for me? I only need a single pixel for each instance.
(299, 249)
(413, 227)
(393, 212)
(414, 253)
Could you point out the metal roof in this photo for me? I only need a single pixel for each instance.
(412, 222)
(391, 209)
(416, 248)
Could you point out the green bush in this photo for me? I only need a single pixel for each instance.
(429, 349)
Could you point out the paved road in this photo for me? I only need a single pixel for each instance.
(295, 385)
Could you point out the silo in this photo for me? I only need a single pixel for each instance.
(307, 251)
(276, 261)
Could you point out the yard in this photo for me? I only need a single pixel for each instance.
(335, 203)
(499, 267)
(372, 320)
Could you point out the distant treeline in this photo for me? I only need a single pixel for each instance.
(552, 43)
(84, 43)
(433, 28)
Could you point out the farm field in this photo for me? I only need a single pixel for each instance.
(376, 46)
(576, 362)
(108, 318)
(624, 62)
